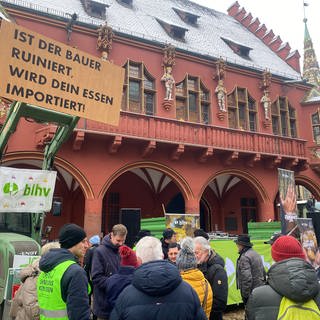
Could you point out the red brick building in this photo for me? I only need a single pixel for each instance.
(209, 142)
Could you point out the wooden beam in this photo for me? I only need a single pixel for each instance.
(115, 144)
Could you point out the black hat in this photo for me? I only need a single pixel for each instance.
(71, 234)
(143, 233)
(201, 233)
(273, 238)
(244, 240)
(168, 233)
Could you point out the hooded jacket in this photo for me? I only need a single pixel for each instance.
(105, 263)
(117, 282)
(198, 282)
(74, 283)
(25, 302)
(157, 292)
(214, 272)
(293, 278)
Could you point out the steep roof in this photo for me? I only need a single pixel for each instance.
(204, 38)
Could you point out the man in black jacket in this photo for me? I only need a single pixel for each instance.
(105, 263)
(74, 300)
(212, 266)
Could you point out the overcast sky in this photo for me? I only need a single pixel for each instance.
(284, 17)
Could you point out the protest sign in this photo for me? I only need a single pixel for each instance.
(288, 203)
(183, 224)
(40, 71)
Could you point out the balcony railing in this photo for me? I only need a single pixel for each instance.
(143, 127)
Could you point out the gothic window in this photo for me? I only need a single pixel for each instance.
(139, 89)
(192, 101)
(283, 117)
(315, 119)
(242, 110)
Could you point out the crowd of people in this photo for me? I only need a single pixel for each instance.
(162, 279)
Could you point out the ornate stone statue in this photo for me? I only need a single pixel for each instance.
(266, 102)
(168, 82)
(104, 42)
(168, 62)
(221, 95)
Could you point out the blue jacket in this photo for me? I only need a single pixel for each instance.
(157, 292)
(105, 263)
(117, 282)
(74, 283)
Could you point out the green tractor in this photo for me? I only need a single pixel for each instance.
(21, 232)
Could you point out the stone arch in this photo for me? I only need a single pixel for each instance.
(176, 177)
(246, 176)
(310, 184)
(70, 168)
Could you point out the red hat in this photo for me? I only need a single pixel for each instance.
(286, 247)
(128, 257)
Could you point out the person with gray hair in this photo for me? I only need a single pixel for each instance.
(212, 266)
(157, 291)
(187, 265)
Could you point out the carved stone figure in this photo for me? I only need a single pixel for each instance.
(266, 102)
(168, 82)
(221, 95)
(104, 42)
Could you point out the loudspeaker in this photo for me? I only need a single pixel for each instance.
(131, 218)
(56, 208)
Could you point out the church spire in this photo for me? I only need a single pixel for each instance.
(311, 71)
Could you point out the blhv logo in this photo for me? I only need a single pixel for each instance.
(34, 190)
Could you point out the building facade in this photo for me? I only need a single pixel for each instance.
(213, 104)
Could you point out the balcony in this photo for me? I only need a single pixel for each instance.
(217, 140)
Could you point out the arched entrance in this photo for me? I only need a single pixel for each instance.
(232, 198)
(145, 188)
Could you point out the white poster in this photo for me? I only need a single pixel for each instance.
(26, 190)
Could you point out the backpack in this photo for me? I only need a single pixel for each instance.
(290, 310)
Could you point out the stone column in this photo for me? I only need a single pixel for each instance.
(93, 216)
(266, 211)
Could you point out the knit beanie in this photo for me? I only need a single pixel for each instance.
(186, 258)
(128, 257)
(286, 247)
(95, 239)
(71, 234)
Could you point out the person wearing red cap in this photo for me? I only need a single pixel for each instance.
(117, 282)
(291, 277)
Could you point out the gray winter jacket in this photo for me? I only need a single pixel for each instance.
(294, 278)
(250, 272)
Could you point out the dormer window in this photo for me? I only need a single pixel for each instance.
(95, 9)
(126, 3)
(174, 31)
(187, 17)
(238, 48)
